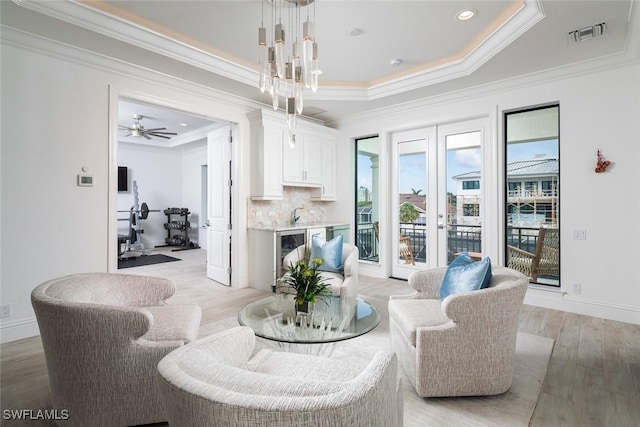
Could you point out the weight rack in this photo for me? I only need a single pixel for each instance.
(182, 226)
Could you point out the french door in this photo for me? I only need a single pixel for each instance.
(436, 206)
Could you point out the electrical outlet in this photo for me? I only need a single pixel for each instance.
(576, 288)
(579, 234)
(5, 311)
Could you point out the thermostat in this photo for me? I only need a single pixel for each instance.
(85, 180)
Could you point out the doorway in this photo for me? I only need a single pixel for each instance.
(170, 173)
(437, 194)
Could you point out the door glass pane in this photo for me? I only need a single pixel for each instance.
(464, 221)
(532, 196)
(412, 202)
(367, 200)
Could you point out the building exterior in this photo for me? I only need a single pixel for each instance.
(532, 194)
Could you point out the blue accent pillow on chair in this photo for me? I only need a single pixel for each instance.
(465, 275)
(330, 252)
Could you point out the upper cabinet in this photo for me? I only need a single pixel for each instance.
(301, 163)
(267, 137)
(274, 163)
(327, 190)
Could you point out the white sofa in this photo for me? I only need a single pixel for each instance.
(214, 382)
(340, 284)
(463, 345)
(103, 336)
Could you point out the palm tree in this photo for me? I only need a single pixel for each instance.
(408, 212)
(416, 192)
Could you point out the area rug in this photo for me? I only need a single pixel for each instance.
(510, 409)
(138, 261)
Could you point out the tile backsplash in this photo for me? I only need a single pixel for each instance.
(262, 213)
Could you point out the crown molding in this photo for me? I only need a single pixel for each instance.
(79, 14)
(83, 16)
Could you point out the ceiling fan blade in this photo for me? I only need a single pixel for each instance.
(129, 134)
(164, 133)
(159, 136)
(153, 130)
(146, 136)
(123, 127)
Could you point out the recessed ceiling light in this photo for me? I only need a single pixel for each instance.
(465, 15)
(183, 124)
(395, 62)
(353, 32)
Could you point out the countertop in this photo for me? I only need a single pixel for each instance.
(298, 226)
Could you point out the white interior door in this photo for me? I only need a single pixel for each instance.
(219, 206)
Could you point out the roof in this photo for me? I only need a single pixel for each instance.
(547, 166)
(418, 200)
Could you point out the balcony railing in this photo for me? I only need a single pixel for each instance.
(367, 242)
(532, 194)
(460, 238)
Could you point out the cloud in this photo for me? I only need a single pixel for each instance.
(469, 158)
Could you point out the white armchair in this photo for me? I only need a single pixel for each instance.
(103, 336)
(463, 345)
(214, 382)
(340, 284)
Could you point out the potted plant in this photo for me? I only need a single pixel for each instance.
(304, 280)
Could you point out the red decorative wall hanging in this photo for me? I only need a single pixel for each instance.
(602, 164)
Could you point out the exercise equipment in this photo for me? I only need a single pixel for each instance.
(182, 226)
(137, 214)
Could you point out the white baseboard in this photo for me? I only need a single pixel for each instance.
(570, 303)
(18, 329)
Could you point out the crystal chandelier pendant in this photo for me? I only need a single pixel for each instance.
(291, 120)
(280, 49)
(297, 90)
(287, 67)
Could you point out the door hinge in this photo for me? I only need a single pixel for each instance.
(230, 136)
(229, 270)
(229, 226)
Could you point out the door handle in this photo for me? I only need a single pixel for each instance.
(441, 225)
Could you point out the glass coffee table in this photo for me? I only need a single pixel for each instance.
(334, 319)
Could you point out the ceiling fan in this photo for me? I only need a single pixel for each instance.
(138, 130)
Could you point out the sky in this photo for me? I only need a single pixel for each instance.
(413, 167)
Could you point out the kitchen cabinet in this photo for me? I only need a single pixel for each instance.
(267, 137)
(301, 165)
(274, 163)
(327, 190)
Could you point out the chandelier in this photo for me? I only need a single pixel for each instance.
(289, 60)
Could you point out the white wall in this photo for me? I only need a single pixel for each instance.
(166, 177)
(597, 110)
(56, 104)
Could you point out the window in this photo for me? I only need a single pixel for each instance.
(470, 209)
(470, 185)
(367, 198)
(532, 196)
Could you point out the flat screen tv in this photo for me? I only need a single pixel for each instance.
(123, 179)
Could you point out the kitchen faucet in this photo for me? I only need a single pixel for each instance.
(296, 217)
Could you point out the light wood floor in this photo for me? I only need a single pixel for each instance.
(593, 377)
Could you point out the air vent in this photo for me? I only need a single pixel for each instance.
(588, 33)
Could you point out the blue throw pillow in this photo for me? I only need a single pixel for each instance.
(330, 252)
(463, 276)
(462, 259)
